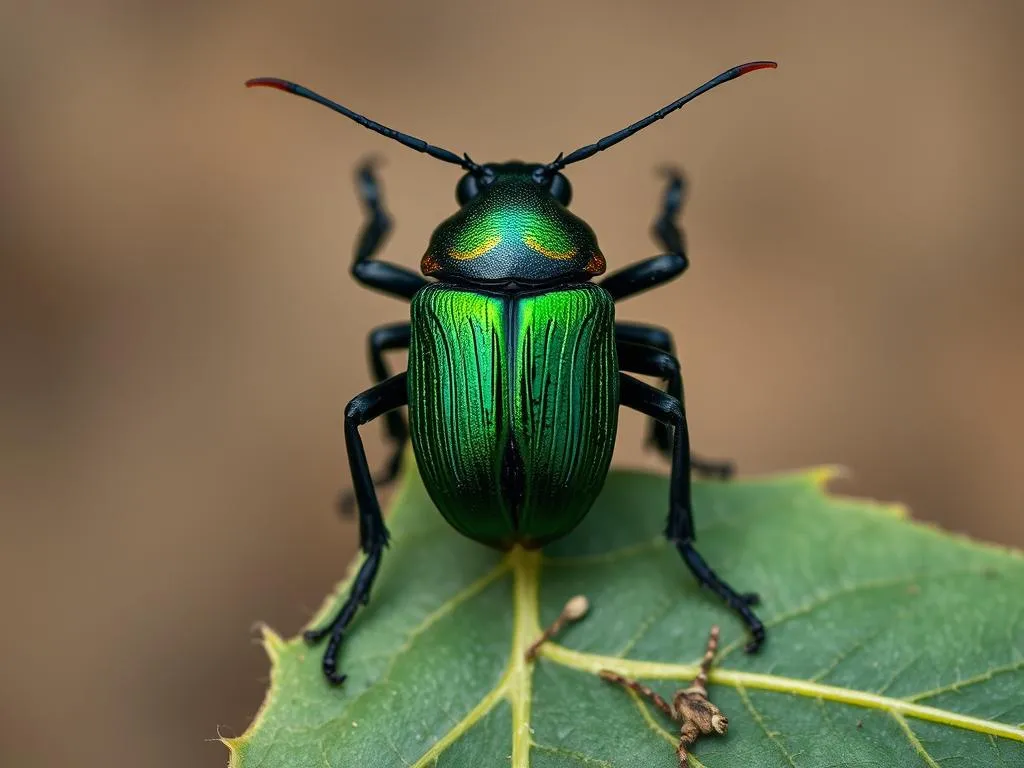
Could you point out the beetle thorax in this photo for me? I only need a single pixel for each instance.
(513, 230)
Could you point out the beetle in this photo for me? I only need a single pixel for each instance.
(517, 367)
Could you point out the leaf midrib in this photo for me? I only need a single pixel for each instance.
(516, 683)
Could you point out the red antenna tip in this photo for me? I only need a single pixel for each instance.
(755, 65)
(270, 82)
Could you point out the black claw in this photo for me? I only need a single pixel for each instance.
(335, 678)
(314, 636)
(739, 602)
(757, 639)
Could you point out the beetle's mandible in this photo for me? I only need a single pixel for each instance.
(517, 366)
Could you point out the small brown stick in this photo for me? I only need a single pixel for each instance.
(690, 707)
(574, 610)
(640, 688)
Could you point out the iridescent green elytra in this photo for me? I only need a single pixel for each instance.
(517, 366)
(513, 403)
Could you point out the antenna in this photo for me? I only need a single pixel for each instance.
(592, 149)
(410, 141)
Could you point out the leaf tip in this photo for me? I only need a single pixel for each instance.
(234, 745)
(272, 643)
(821, 477)
(897, 509)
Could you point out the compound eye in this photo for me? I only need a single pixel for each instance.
(467, 189)
(561, 189)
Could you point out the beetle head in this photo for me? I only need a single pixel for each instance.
(473, 183)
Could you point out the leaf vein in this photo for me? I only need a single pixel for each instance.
(475, 715)
(644, 626)
(847, 653)
(428, 621)
(914, 741)
(995, 748)
(759, 719)
(592, 663)
(847, 591)
(573, 754)
(983, 677)
(898, 673)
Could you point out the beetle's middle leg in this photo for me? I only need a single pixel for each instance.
(649, 350)
(653, 402)
(380, 340)
(373, 534)
(380, 275)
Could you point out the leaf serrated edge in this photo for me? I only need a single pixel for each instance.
(820, 478)
(273, 644)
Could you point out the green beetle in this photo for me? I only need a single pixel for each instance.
(517, 366)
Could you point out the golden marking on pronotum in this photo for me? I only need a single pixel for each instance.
(477, 252)
(536, 245)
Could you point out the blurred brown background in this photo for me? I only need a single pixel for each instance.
(179, 332)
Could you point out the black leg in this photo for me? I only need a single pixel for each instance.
(665, 229)
(658, 269)
(373, 535)
(379, 275)
(639, 347)
(380, 340)
(649, 360)
(652, 402)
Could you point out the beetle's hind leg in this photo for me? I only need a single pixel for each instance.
(373, 535)
(380, 275)
(652, 402)
(380, 340)
(649, 350)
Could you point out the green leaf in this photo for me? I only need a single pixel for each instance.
(889, 643)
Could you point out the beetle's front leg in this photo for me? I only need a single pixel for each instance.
(648, 350)
(381, 340)
(656, 270)
(380, 275)
(653, 402)
(373, 535)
